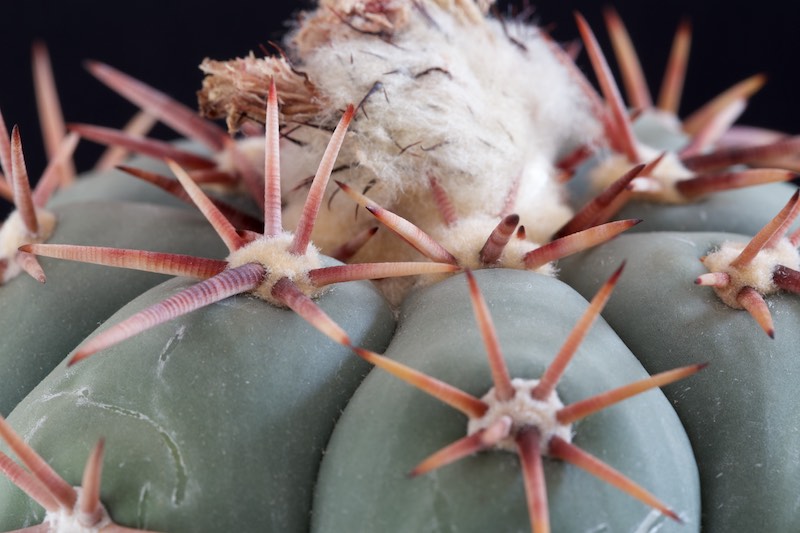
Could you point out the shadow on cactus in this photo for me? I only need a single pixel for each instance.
(527, 416)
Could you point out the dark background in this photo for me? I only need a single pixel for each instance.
(162, 42)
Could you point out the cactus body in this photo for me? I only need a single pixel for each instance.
(742, 413)
(116, 185)
(216, 420)
(39, 324)
(205, 431)
(742, 211)
(388, 427)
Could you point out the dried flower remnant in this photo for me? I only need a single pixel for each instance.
(526, 416)
(742, 275)
(691, 172)
(237, 90)
(277, 266)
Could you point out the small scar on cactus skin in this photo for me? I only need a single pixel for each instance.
(67, 508)
(279, 267)
(742, 275)
(671, 180)
(503, 418)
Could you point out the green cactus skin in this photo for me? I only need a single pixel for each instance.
(39, 324)
(389, 427)
(741, 413)
(655, 128)
(743, 211)
(119, 186)
(116, 185)
(213, 422)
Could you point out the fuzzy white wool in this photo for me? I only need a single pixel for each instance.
(273, 254)
(457, 101)
(68, 520)
(466, 238)
(667, 173)
(540, 203)
(14, 234)
(757, 274)
(524, 411)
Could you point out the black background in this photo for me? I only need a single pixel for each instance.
(162, 42)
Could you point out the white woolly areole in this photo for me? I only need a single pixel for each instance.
(455, 102)
(523, 411)
(66, 520)
(273, 254)
(667, 173)
(14, 234)
(757, 274)
(466, 238)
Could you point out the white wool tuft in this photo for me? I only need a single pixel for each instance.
(457, 101)
(757, 274)
(523, 411)
(273, 253)
(666, 174)
(14, 234)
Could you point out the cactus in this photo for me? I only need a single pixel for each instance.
(246, 400)
(382, 497)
